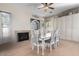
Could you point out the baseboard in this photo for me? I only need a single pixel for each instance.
(70, 40)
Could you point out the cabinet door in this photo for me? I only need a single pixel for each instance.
(68, 29)
(76, 27)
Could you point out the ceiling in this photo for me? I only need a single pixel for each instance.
(59, 7)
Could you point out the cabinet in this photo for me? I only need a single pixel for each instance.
(70, 27)
(66, 27)
(76, 27)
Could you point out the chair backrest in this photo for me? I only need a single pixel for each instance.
(53, 36)
(35, 36)
(57, 34)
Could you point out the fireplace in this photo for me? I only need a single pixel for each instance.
(22, 35)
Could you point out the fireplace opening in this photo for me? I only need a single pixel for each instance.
(23, 36)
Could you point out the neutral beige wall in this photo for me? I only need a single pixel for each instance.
(20, 16)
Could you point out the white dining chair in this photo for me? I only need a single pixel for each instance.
(36, 43)
(57, 37)
(51, 41)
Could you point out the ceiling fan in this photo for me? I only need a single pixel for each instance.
(46, 6)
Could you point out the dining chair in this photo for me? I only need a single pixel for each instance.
(35, 41)
(57, 37)
(51, 41)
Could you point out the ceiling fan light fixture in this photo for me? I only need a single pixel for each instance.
(46, 6)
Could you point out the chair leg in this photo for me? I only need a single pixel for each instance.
(54, 46)
(42, 50)
(58, 43)
(32, 47)
(37, 49)
(50, 48)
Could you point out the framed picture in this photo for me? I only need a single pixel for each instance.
(35, 24)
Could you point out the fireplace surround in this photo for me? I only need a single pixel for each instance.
(22, 35)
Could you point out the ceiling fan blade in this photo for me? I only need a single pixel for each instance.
(51, 7)
(45, 4)
(50, 4)
(41, 7)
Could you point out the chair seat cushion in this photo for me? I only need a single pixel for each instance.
(39, 41)
(47, 41)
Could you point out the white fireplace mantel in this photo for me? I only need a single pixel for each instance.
(22, 31)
